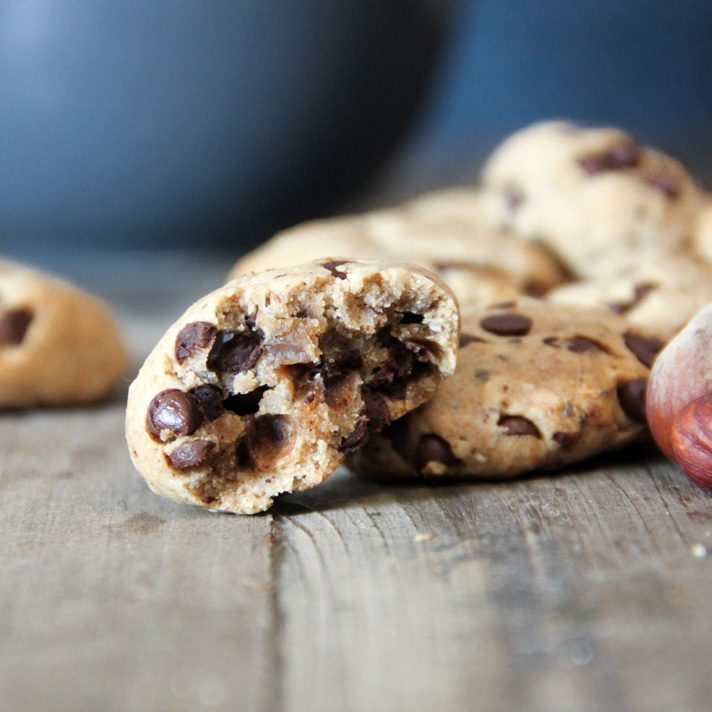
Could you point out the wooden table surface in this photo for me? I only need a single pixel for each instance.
(588, 591)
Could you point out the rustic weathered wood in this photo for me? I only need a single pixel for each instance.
(585, 591)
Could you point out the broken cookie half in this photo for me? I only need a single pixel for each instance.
(266, 384)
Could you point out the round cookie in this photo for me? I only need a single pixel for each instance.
(660, 294)
(58, 344)
(702, 237)
(264, 385)
(586, 191)
(537, 386)
(479, 262)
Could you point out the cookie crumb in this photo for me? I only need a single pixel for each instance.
(699, 551)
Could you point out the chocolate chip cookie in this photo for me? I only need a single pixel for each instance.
(478, 261)
(588, 191)
(265, 385)
(58, 344)
(537, 386)
(660, 294)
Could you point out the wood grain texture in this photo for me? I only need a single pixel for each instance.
(583, 592)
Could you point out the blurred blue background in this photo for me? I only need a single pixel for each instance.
(207, 123)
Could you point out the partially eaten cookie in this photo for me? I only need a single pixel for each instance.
(265, 385)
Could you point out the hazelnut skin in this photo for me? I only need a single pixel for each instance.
(678, 399)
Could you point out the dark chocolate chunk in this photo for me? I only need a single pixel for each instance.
(535, 289)
(566, 440)
(338, 354)
(631, 396)
(433, 448)
(507, 324)
(271, 430)
(175, 411)
(210, 401)
(193, 338)
(466, 339)
(400, 369)
(411, 318)
(235, 351)
(245, 403)
(331, 265)
(357, 438)
(373, 418)
(517, 425)
(665, 184)
(645, 348)
(13, 325)
(190, 454)
(581, 344)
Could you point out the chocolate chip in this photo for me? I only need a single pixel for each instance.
(190, 454)
(513, 198)
(581, 344)
(665, 184)
(535, 289)
(517, 425)
(338, 354)
(13, 325)
(271, 430)
(551, 341)
(372, 419)
(631, 396)
(235, 351)
(411, 318)
(245, 403)
(175, 411)
(623, 155)
(641, 290)
(400, 368)
(620, 307)
(192, 338)
(507, 324)
(566, 440)
(466, 339)
(210, 401)
(331, 265)
(645, 348)
(433, 448)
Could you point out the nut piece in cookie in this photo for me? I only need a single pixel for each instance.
(537, 386)
(58, 344)
(265, 385)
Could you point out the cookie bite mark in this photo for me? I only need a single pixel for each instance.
(173, 411)
(631, 396)
(623, 155)
(193, 338)
(13, 326)
(276, 404)
(645, 348)
(511, 324)
(518, 425)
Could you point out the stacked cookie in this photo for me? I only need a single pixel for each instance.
(576, 258)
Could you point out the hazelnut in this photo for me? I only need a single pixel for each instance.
(679, 399)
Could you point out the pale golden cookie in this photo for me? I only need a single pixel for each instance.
(58, 344)
(661, 294)
(265, 385)
(537, 386)
(588, 191)
(479, 262)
